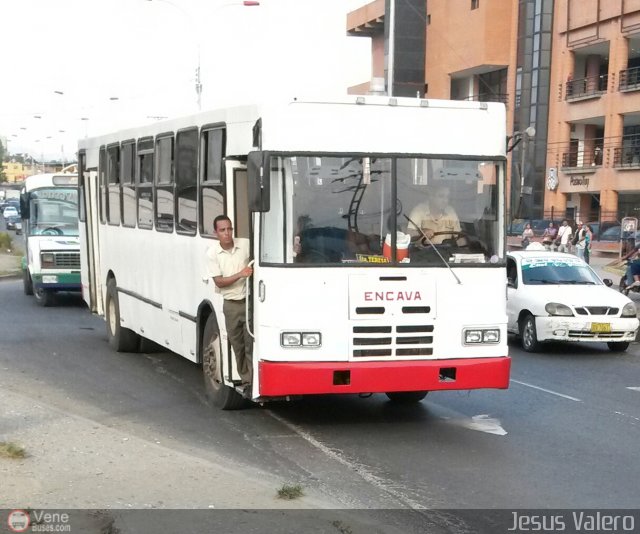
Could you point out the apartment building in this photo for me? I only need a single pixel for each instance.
(594, 136)
(483, 50)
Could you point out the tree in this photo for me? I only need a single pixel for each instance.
(3, 155)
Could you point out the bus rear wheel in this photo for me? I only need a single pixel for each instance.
(406, 397)
(44, 297)
(219, 394)
(120, 338)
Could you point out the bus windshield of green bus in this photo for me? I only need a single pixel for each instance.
(53, 211)
(384, 210)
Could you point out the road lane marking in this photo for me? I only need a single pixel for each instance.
(387, 486)
(634, 388)
(547, 391)
(481, 423)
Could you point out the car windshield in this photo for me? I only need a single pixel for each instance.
(345, 209)
(557, 271)
(53, 211)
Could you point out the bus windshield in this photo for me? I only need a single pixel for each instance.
(53, 211)
(341, 210)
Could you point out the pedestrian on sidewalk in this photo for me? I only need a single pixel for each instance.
(564, 237)
(527, 236)
(549, 236)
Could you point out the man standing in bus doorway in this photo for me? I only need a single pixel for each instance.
(227, 261)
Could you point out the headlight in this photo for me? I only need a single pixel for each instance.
(475, 336)
(629, 310)
(47, 259)
(291, 339)
(311, 339)
(553, 308)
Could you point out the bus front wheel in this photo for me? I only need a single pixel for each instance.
(120, 338)
(220, 395)
(44, 297)
(27, 284)
(406, 397)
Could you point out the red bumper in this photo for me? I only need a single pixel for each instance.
(279, 379)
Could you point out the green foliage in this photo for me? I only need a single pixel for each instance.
(5, 241)
(3, 156)
(289, 493)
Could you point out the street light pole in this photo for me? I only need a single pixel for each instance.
(523, 137)
(198, 82)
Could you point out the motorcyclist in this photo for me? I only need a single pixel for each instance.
(633, 270)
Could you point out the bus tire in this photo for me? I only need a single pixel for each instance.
(120, 338)
(406, 397)
(27, 284)
(44, 297)
(219, 394)
(618, 346)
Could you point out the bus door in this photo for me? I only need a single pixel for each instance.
(88, 202)
(238, 212)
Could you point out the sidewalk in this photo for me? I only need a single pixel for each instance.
(10, 265)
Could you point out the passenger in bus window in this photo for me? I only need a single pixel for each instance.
(227, 263)
(436, 218)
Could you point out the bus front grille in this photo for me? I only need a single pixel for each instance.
(384, 341)
(67, 260)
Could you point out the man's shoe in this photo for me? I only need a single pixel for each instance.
(246, 391)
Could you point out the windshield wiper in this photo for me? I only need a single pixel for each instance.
(541, 280)
(434, 248)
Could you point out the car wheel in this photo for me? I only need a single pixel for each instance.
(27, 284)
(44, 297)
(406, 397)
(618, 346)
(528, 334)
(218, 393)
(120, 338)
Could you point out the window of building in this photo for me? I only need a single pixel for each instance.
(128, 177)
(187, 182)
(212, 143)
(475, 4)
(113, 179)
(165, 185)
(145, 183)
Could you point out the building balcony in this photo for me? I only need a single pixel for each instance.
(629, 80)
(626, 157)
(489, 97)
(582, 161)
(586, 88)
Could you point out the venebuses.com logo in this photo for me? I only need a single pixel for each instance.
(18, 521)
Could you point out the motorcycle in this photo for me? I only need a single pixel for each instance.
(623, 282)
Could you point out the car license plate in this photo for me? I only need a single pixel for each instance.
(49, 279)
(601, 327)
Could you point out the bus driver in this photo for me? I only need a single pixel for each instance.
(437, 219)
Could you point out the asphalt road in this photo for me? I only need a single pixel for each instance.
(564, 435)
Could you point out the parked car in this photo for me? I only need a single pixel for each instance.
(516, 227)
(599, 230)
(10, 211)
(552, 296)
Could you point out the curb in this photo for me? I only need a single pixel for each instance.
(11, 276)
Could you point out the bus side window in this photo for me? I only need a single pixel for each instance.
(187, 182)
(113, 179)
(127, 177)
(212, 200)
(144, 183)
(102, 173)
(165, 183)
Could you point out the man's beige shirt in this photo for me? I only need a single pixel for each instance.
(221, 262)
(447, 222)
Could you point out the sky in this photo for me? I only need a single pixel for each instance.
(76, 68)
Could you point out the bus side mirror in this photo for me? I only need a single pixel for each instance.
(24, 206)
(259, 181)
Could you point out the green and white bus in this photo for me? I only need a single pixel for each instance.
(49, 208)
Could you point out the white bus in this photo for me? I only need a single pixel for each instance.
(338, 301)
(49, 209)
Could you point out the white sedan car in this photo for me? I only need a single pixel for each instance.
(552, 296)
